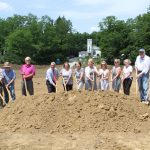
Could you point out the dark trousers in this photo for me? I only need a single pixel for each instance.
(30, 88)
(127, 85)
(51, 88)
(69, 87)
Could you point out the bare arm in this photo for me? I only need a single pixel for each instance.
(118, 74)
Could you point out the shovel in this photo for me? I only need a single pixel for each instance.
(76, 82)
(64, 84)
(8, 93)
(2, 98)
(25, 84)
(93, 82)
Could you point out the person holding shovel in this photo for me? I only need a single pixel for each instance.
(104, 77)
(90, 76)
(116, 79)
(142, 66)
(51, 78)
(67, 78)
(79, 75)
(127, 76)
(27, 71)
(9, 82)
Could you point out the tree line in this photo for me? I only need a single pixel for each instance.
(45, 39)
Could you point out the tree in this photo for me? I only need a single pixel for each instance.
(113, 38)
(19, 45)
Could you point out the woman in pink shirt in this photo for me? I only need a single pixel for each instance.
(27, 71)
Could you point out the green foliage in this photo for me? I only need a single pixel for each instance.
(118, 37)
(18, 44)
(42, 38)
(97, 60)
(45, 39)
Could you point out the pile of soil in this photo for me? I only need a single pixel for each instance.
(73, 111)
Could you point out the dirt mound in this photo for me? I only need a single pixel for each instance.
(73, 111)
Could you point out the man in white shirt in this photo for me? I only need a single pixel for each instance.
(51, 78)
(142, 66)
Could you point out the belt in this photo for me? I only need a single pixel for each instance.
(29, 79)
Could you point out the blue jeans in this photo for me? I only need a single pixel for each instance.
(12, 93)
(89, 85)
(143, 83)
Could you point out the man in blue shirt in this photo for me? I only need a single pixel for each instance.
(9, 78)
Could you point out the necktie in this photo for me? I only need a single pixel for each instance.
(54, 76)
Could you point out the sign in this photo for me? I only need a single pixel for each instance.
(89, 46)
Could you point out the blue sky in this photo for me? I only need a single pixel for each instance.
(84, 14)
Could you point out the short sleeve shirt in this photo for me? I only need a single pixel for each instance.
(127, 71)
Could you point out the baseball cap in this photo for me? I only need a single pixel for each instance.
(141, 50)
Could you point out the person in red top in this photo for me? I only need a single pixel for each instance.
(27, 71)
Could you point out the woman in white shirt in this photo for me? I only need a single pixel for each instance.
(90, 76)
(127, 76)
(66, 74)
(104, 77)
(79, 75)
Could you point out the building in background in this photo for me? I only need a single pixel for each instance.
(92, 50)
(96, 52)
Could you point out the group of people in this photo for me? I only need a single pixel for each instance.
(101, 79)
(7, 81)
(90, 76)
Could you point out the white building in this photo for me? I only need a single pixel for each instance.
(96, 52)
(92, 50)
(83, 54)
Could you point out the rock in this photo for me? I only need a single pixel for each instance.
(52, 131)
(87, 100)
(73, 138)
(72, 98)
(52, 98)
(98, 144)
(137, 130)
(144, 116)
(15, 129)
(112, 114)
(102, 106)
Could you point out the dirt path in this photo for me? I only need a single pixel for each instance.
(74, 121)
(76, 141)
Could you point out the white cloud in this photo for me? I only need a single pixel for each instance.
(122, 9)
(39, 6)
(4, 6)
(78, 14)
(129, 8)
(89, 2)
(92, 29)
